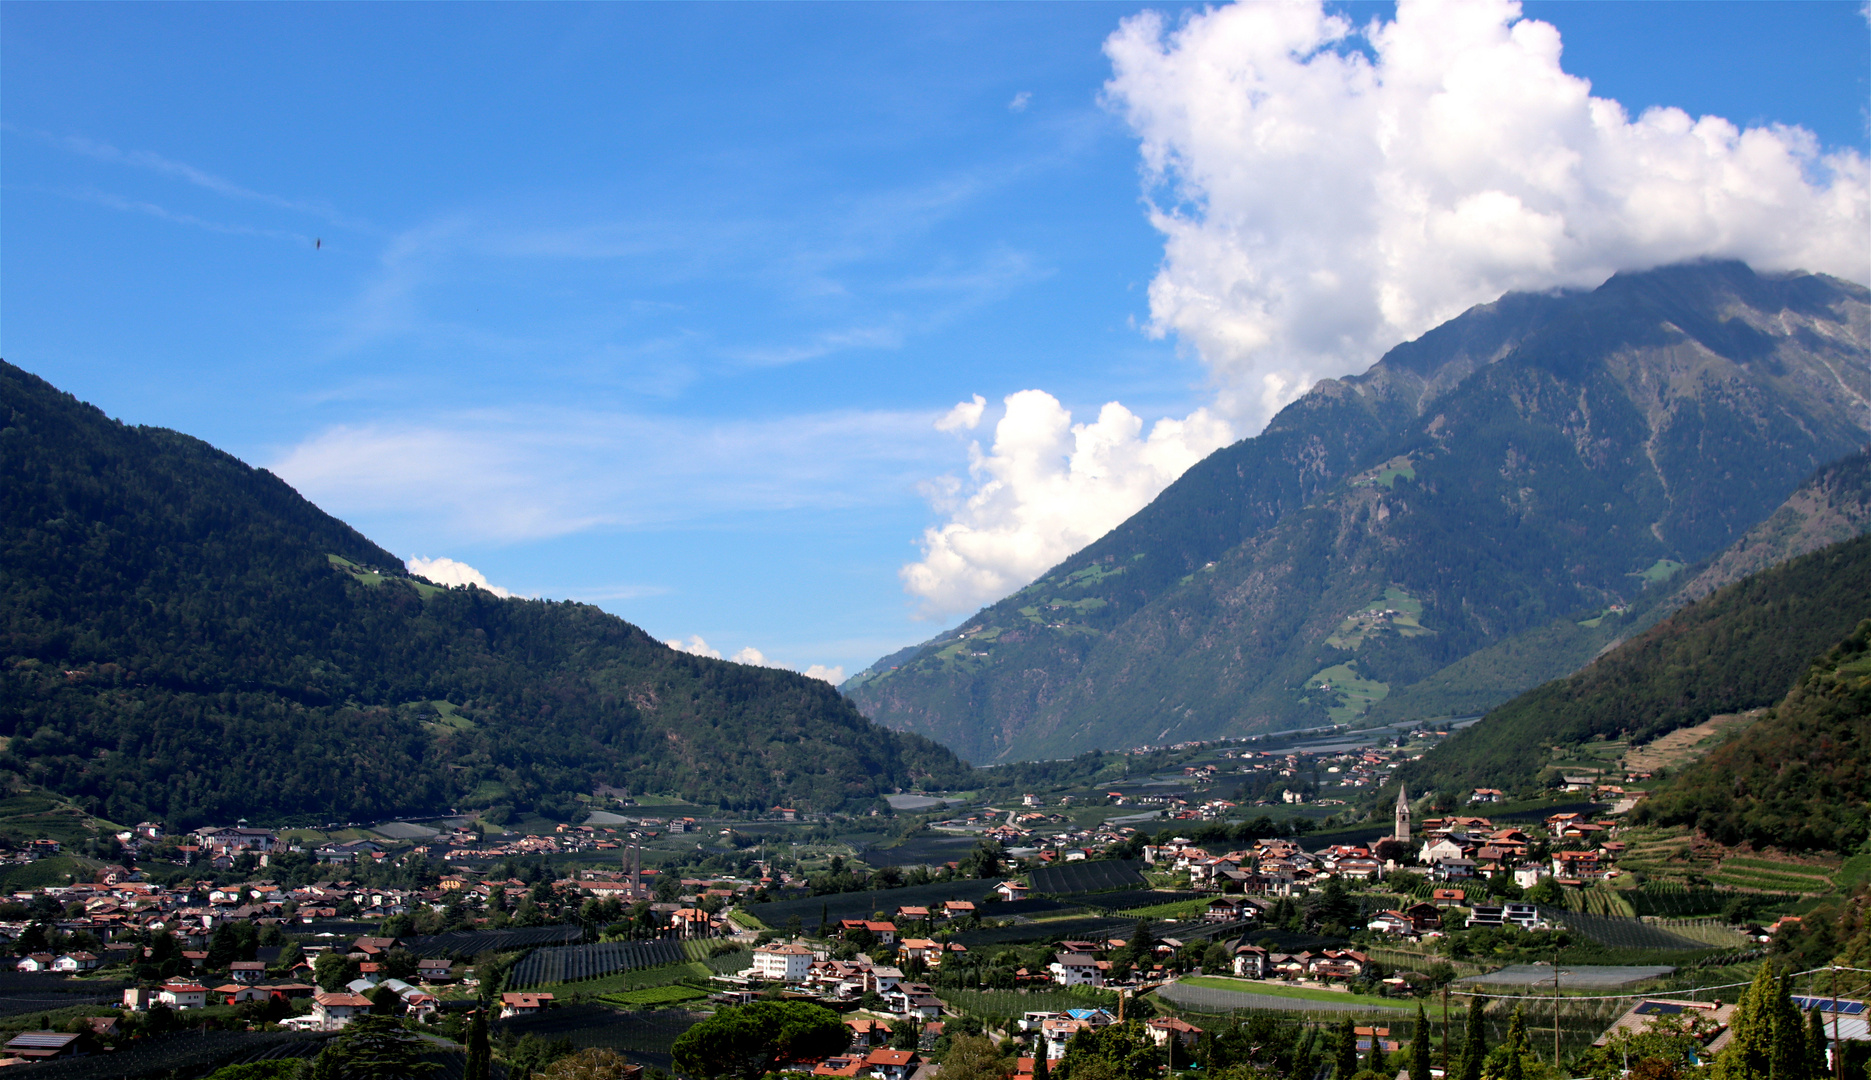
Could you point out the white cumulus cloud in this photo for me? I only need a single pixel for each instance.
(453, 574)
(750, 655)
(694, 645)
(1046, 488)
(966, 415)
(1320, 204)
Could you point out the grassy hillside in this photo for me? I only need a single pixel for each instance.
(184, 638)
(1800, 777)
(1741, 648)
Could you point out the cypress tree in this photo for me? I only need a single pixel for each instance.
(1347, 1062)
(1474, 1041)
(1516, 1046)
(1305, 1058)
(1419, 1047)
(1816, 1042)
(479, 1053)
(1041, 1071)
(1749, 1054)
(1788, 1060)
(1374, 1060)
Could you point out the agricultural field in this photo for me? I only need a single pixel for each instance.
(1600, 900)
(576, 963)
(1129, 900)
(468, 944)
(57, 870)
(654, 996)
(1755, 873)
(1096, 876)
(1003, 1005)
(644, 1034)
(1684, 745)
(1620, 933)
(862, 905)
(1050, 930)
(1175, 909)
(1213, 994)
(625, 981)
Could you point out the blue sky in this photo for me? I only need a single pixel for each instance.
(659, 306)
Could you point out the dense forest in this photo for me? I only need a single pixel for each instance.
(1798, 778)
(1741, 648)
(185, 638)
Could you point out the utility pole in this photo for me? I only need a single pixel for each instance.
(1838, 1059)
(1555, 1010)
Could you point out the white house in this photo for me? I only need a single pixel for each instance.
(332, 1011)
(77, 961)
(1076, 969)
(187, 995)
(782, 963)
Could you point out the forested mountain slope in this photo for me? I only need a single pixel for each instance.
(1832, 506)
(1741, 648)
(183, 637)
(1800, 777)
(1540, 458)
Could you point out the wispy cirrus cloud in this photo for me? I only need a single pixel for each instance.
(511, 476)
(150, 161)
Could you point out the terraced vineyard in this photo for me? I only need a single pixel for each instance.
(1620, 933)
(1599, 901)
(1675, 900)
(1750, 873)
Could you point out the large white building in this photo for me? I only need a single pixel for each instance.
(782, 963)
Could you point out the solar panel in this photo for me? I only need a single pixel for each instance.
(1842, 1006)
(1658, 1008)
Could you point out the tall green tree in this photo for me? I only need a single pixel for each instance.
(1515, 1067)
(480, 1055)
(1375, 1059)
(1419, 1047)
(1769, 1040)
(744, 1042)
(378, 1048)
(1345, 1065)
(1816, 1042)
(1474, 1041)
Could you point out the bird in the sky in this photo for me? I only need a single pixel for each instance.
(317, 243)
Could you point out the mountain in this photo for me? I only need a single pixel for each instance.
(1743, 647)
(1547, 457)
(1799, 777)
(1831, 506)
(185, 638)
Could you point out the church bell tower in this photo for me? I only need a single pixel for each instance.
(1403, 814)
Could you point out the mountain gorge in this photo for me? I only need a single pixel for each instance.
(185, 638)
(1536, 463)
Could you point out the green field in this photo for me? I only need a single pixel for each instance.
(1275, 989)
(57, 870)
(656, 995)
(1180, 909)
(1351, 694)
